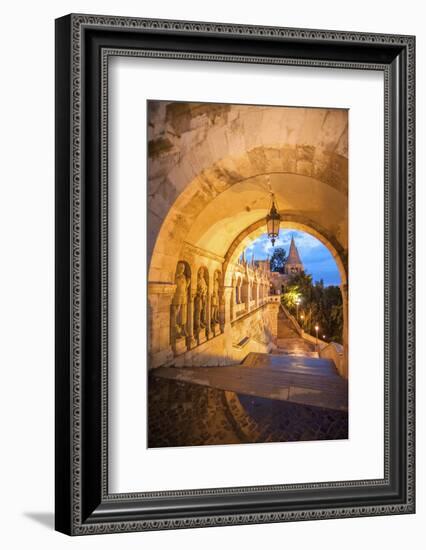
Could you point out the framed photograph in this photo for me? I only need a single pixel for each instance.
(234, 274)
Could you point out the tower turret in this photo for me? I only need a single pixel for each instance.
(293, 263)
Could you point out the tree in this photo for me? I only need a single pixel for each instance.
(319, 304)
(303, 281)
(278, 260)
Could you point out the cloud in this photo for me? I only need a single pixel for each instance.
(316, 257)
(304, 242)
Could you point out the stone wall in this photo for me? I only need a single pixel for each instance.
(256, 331)
(198, 320)
(335, 352)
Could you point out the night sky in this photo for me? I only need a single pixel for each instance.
(315, 257)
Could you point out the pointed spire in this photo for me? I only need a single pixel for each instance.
(293, 254)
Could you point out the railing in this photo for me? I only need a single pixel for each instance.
(334, 351)
(241, 311)
(290, 317)
(331, 350)
(314, 340)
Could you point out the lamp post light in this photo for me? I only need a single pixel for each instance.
(302, 318)
(273, 220)
(297, 307)
(316, 330)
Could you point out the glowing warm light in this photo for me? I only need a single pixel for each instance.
(273, 220)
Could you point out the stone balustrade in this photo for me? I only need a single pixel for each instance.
(335, 352)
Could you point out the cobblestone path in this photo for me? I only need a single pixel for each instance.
(183, 414)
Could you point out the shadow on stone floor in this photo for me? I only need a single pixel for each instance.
(183, 414)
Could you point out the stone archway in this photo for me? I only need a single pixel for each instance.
(211, 171)
(223, 226)
(289, 221)
(200, 216)
(198, 152)
(181, 191)
(292, 221)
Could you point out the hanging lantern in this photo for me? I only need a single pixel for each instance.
(273, 220)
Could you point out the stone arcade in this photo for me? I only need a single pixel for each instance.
(211, 171)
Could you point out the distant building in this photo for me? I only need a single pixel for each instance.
(292, 266)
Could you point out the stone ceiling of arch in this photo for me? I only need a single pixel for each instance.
(228, 214)
(206, 164)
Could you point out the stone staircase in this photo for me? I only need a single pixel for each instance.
(289, 342)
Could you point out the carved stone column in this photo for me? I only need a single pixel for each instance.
(190, 340)
(222, 308)
(228, 299)
(160, 297)
(201, 307)
(209, 333)
(247, 296)
(232, 302)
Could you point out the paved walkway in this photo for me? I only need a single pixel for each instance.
(306, 381)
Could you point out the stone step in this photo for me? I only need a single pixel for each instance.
(296, 364)
(286, 329)
(303, 380)
(294, 353)
(289, 342)
(295, 341)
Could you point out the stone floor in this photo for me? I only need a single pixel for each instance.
(181, 414)
(185, 414)
(303, 380)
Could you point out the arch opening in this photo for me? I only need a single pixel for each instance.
(212, 220)
(290, 222)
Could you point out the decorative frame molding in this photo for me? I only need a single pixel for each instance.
(84, 44)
